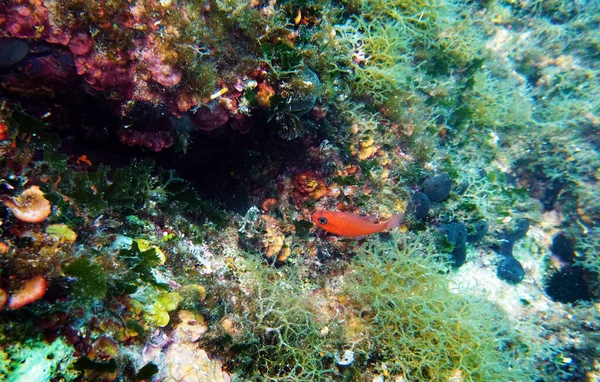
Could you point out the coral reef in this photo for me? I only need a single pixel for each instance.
(190, 190)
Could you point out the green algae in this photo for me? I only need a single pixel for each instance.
(139, 267)
(421, 329)
(90, 280)
(35, 360)
(396, 313)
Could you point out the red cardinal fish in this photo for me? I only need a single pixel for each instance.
(351, 225)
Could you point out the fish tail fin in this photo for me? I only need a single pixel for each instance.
(395, 221)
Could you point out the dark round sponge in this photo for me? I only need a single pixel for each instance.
(456, 234)
(478, 231)
(437, 187)
(419, 205)
(12, 51)
(510, 270)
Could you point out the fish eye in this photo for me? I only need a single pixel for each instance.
(322, 220)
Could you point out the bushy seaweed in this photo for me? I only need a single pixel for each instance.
(420, 329)
(394, 312)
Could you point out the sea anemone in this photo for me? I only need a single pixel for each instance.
(31, 206)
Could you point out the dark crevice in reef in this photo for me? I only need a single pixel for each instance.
(222, 165)
(226, 166)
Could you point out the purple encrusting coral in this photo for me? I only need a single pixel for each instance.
(161, 162)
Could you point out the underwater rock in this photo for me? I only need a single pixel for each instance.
(185, 362)
(550, 192)
(568, 286)
(177, 354)
(12, 51)
(510, 270)
(46, 72)
(100, 363)
(478, 231)
(190, 327)
(437, 187)
(456, 234)
(419, 205)
(156, 137)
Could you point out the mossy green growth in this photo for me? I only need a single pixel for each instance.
(415, 325)
(139, 264)
(589, 256)
(192, 294)
(90, 281)
(36, 360)
(282, 329)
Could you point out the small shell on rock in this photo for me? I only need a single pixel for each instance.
(346, 359)
(31, 206)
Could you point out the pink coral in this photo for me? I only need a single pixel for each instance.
(29, 19)
(25, 18)
(81, 44)
(153, 56)
(140, 63)
(103, 72)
